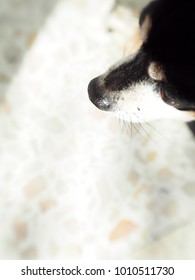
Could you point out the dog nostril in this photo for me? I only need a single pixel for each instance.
(98, 96)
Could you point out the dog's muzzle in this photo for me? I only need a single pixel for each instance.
(98, 95)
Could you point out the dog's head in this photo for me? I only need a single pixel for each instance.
(158, 81)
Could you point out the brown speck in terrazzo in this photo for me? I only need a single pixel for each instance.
(6, 107)
(31, 39)
(189, 189)
(170, 209)
(4, 78)
(47, 204)
(20, 229)
(165, 172)
(133, 176)
(30, 253)
(151, 205)
(142, 189)
(151, 156)
(35, 186)
(122, 229)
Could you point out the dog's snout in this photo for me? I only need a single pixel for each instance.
(98, 96)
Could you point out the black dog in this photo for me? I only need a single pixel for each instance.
(158, 81)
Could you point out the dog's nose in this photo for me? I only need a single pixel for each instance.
(98, 96)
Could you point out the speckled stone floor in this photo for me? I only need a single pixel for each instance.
(74, 182)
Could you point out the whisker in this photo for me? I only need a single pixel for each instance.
(144, 130)
(120, 123)
(131, 126)
(131, 135)
(127, 125)
(148, 134)
(135, 126)
(140, 129)
(151, 126)
(157, 131)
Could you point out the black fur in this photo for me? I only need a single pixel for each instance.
(170, 43)
(119, 79)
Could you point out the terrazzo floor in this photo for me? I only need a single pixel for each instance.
(75, 183)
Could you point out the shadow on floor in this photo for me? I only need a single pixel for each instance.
(20, 21)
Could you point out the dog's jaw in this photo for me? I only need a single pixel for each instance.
(143, 103)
